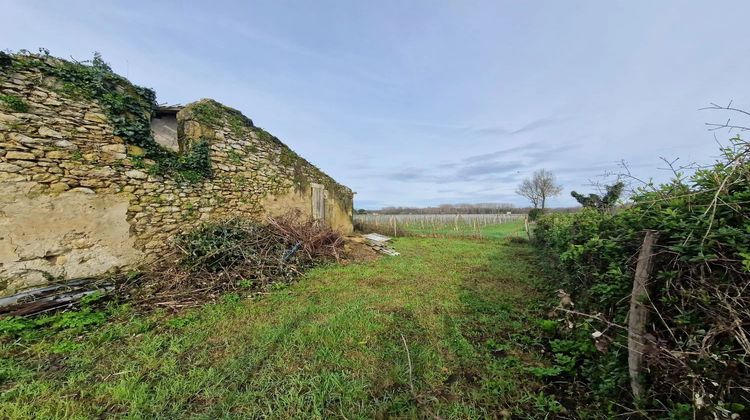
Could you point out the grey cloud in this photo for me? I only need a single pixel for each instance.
(531, 126)
(547, 153)
(460, 173)
(488, 168)
(503, 152)
(537, 124)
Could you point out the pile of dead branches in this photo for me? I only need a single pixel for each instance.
(236, 254)
(315, 239)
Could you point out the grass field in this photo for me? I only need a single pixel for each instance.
(450, 328)
(513, 228)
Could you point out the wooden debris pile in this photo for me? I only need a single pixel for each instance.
(51, 298)
(240, 254)
(379, 243)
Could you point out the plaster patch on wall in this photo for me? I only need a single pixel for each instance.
(336, 216)
(71, 235)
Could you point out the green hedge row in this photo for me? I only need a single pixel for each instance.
(699, 354)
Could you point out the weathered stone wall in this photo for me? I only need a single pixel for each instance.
(76, 201)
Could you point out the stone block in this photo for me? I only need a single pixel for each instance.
(136, 151)
(20, 155)
(95, 117)
(59, 187)
(48, 132)
(64, 144)
(9, 167)
(58, 154)
(136, 174)
(82, 190)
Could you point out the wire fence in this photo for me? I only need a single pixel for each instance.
(439, 225)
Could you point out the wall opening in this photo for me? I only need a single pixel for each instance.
(164, 127)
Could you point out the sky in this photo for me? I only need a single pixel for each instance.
(416, 103)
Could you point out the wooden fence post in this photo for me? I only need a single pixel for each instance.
(526, 226)
(639, 312)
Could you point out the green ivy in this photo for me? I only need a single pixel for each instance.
(192, 166)
(128, 108)
(86, 315)
(6, 60)
(14, 103)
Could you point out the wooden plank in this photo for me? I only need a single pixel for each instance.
(639, 314)
(51, 297)
(318, 202)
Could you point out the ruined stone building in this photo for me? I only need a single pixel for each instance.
(95, 178)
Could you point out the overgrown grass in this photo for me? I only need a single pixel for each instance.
(331, 345)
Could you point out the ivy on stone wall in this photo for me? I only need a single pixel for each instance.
(6, 60)
(128, 108)
(291, 159)
(192, 166)
(14, 103)
(212, 113)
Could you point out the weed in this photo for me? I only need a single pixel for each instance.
(231, 298)
(234, 157)
(14, 325)
(14, 103)
(137, 162)
(181, 322)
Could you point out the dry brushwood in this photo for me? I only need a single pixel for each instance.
(316, 238)
(234, 254)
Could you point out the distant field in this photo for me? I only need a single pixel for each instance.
(443, 225)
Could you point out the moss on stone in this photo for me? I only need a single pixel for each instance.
(212, 113)
(14, 103)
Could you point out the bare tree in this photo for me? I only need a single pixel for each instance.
(539, 188)
(528, 189)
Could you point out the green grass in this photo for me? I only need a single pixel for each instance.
(493, 231)
(331, 345)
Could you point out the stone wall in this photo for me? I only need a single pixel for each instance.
(77, 201)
